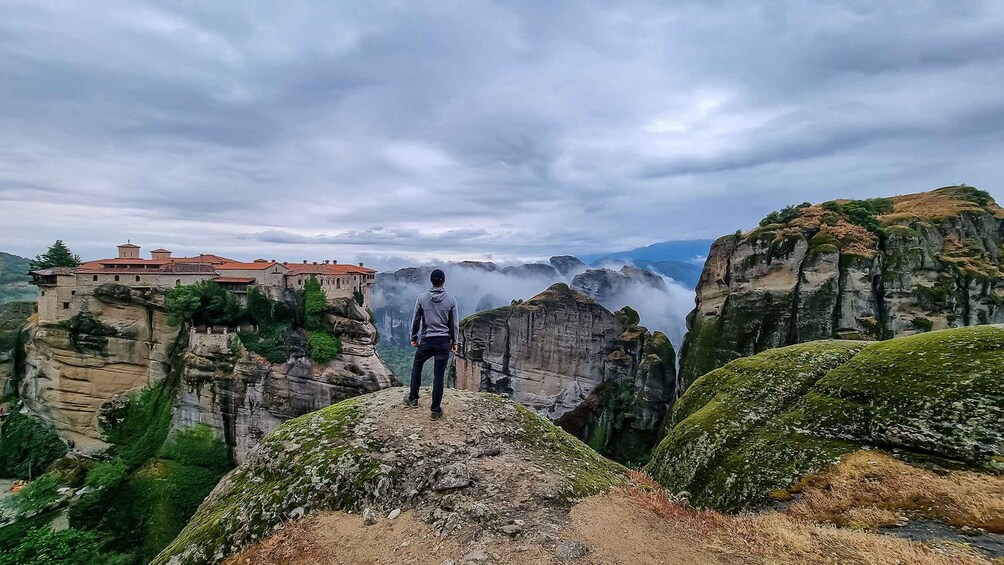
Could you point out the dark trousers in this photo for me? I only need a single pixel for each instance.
(438, 347)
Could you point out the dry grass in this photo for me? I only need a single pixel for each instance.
(870, 489)
(788, 538)
(931, 206)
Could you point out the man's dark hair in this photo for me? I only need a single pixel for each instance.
(437, 277)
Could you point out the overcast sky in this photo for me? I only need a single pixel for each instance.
(474, 129)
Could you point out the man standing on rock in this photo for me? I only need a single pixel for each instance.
(435, 328)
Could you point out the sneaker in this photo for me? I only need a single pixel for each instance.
(412, 402)
(436, 415)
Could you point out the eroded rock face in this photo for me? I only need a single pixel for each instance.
(81, 372)
(244, 397)
(918, 262)
(596, 373)
(115, 346)
(603, 284)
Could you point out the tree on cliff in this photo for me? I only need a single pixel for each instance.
(58, 255)
(314, 305)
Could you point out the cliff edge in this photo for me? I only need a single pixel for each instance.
(853, 269)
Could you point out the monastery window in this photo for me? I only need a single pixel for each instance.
(116, 278)
(338, 283)
(137, 278)
(177, 282)
(66, 306)
(73, 293)
(94, 278)
(42, 293)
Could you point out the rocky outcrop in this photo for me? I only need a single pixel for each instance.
(119, 343)
(567, 265)
(81, 373)
(491, 469)
(604, 284)
(597, 374)
(755, 427)
(243, 397)
(538, 270)
(870, 269)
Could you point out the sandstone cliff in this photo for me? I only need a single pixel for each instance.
(869, 269)
(597, 374)
(243, 397)
(80, 373)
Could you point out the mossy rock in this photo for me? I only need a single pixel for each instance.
(762, 423)
(370, 451)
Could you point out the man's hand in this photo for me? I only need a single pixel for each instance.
(453, 348)
(414, 343)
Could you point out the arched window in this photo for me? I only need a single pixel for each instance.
(177, 282)
(338, 283)
(137, 278)
(116, 278)
(94, 278)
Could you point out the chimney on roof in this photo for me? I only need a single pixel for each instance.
(285, 263)
(160, 254)
(326, 262)
(304, 261)
(360, 263)
(334, 261)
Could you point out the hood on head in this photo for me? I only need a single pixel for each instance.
(437, 294)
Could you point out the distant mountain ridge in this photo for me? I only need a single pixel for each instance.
(14, 279)
(685, 250)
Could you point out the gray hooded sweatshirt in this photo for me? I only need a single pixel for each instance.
(435, 316)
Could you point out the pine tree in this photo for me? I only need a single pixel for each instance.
(58, 255)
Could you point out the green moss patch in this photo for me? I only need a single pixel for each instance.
(308, 462)
(760, 424)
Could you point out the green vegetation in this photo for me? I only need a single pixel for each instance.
(314, 305)
(760, 424)
(87, 334)
(27, 446)
(204, 303)
(979, 197)
(265, 489)
(784, 215)
(400, 360)
(13, 317)
(863, 212)
(43, 546)
(58, 255)
(323, 346)
(38, 496)
(14, 279)
(274, 323)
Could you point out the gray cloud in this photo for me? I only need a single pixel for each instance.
(469, 129)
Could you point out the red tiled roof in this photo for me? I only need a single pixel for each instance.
(234, 280)
(205, 258)
(235, 266)
(161, 250)
(128, 245)
(328, 269)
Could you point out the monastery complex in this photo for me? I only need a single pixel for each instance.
(64, 290)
